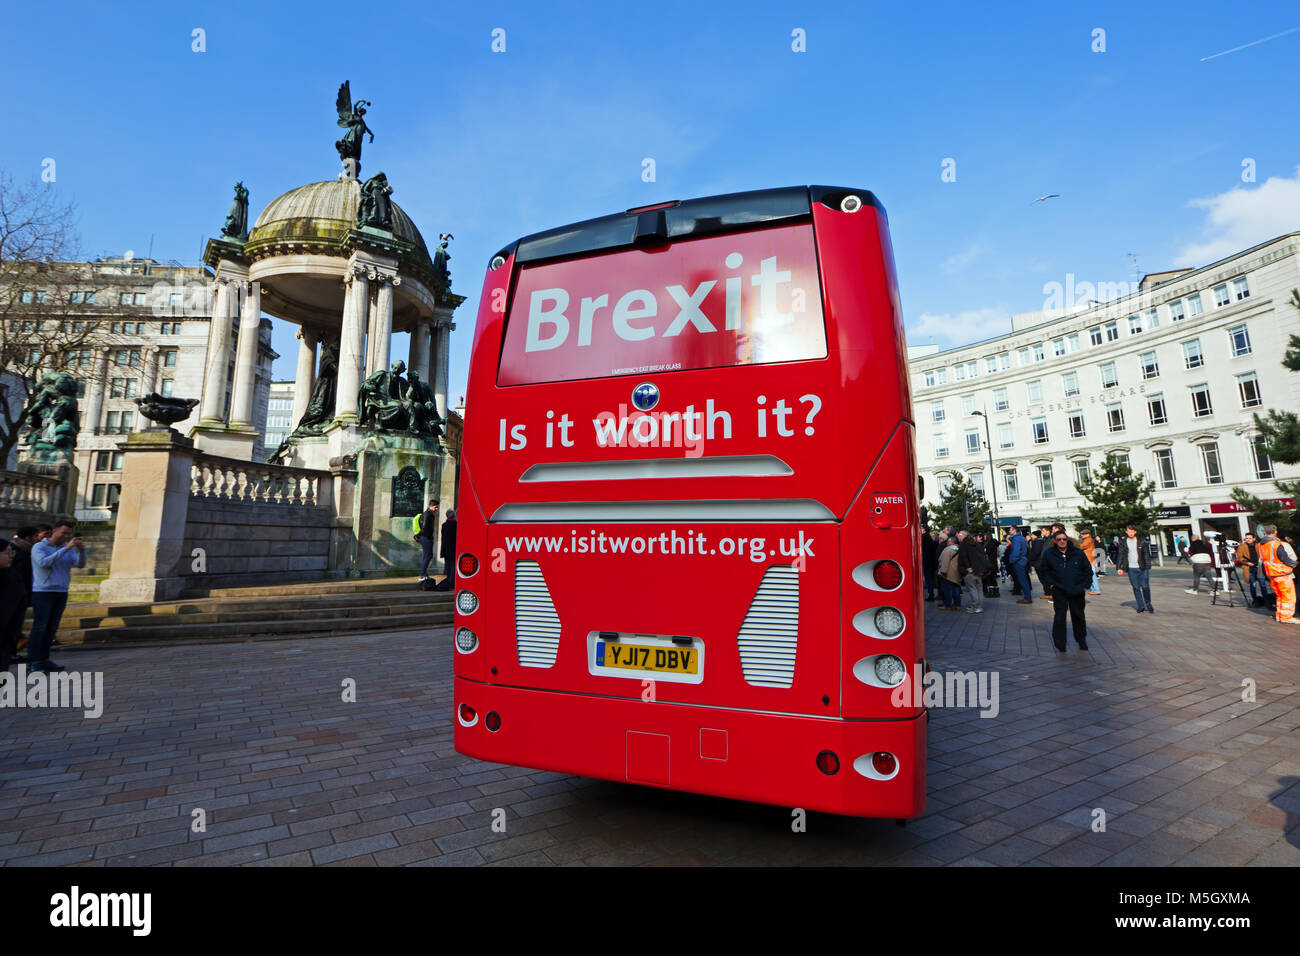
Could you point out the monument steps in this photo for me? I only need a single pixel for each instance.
(315, 609)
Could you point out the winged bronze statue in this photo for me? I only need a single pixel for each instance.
(351, 118)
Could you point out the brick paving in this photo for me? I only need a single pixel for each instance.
(1149, 727)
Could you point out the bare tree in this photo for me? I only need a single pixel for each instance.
(49, 313)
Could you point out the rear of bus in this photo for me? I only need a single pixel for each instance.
(688, 522)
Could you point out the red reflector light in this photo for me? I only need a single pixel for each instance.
(467, 714)
(658, 205)
(884, 763)
(492, 721)
(467, 565)
(828, 763)
(887, 574)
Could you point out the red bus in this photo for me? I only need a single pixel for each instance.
(688, 520)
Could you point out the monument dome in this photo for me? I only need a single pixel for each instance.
(322, 214)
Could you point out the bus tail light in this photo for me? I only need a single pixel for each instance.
(828, 763)
(889, 621)
(890, 670)
(466, 715)
(467, 602)
(466, 640)
(492, 721)
(880, 765)
(887, 574)
(467, 565)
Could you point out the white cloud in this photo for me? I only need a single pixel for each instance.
(959, 261)
(1241, 218)
(946, 329)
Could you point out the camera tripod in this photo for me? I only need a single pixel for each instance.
(1233, 578)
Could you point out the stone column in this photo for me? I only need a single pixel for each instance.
(305, 378)
(383, 322)
(214, 375)
(420, 350)
(250, 320)
(95, 400)
(147, 383)
(352, 345)
(442, 343)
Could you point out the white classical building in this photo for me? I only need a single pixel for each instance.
(279, 415)
(1169, 376)
(151, 330)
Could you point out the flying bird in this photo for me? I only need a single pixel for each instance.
(1047, 197)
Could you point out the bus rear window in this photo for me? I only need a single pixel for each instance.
(736, 299)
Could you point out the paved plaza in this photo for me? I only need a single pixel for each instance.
(1150, 728)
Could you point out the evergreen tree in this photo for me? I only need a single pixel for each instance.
(951, 509)
(1116, 498)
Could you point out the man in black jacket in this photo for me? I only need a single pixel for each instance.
(1066, 576)
(447, 551)
(929, 564)
(428, 527)
(973, 565)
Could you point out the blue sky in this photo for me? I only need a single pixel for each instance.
(1144, 142)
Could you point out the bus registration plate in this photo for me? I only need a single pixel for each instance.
(639, 657)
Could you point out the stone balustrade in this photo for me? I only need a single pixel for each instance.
(229, 479)
(20, 491)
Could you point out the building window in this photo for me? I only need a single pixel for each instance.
(1004, 361)
(117, 388)
(1176, 313)
(141, 298)
(1040, 431)
(109, 460)
(940, 446)
(1038, 352)
(1194, 307)
(1165, 476)
(936, 376)
(1239, 340)
(990, 364)
(1192, 357)
(1001, 400)
(1058, 347)
(1121, 457)
(1094, 335)
(1011, 484)
(976, 478)
(1263, 464)
(1240, 288)
(1221, 297)
(1112, 331)
(1210, 459)
(1201, 404)
(968, 405)
(167, 386)
(1150, 367)
(937, 413)
(1152, 319)
(1071, 382)
(1081, 473)
(1156, 409)
(1115, 417)
(972, 442)
(1134, 324)
(1076, 426)
(1005, 439)
(126, 298)
(1072, 342)
(1248, 386)
(1109, 377)
(959, 372)
(104, 495)
(169, 358)
(1024, 356)
(1045, 481)
(1034, 391)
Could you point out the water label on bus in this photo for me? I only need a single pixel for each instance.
(737, 299)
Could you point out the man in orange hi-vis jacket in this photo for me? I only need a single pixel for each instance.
(1278, 561)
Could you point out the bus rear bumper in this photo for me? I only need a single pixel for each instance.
(743, 755)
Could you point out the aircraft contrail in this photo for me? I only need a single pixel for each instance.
(1251, 43)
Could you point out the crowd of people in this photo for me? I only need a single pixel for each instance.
(35, 572)
(962, 567)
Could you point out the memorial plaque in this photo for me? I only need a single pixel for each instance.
(408, 493)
